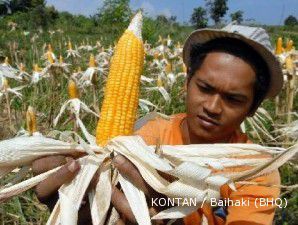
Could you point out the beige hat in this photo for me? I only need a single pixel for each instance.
(255, 37)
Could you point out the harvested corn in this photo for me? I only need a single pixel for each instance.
(118, 111)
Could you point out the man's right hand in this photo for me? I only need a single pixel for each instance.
(47, 190)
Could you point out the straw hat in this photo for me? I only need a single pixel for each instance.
(255, 37)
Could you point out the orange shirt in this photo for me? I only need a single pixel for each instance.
(169, 132)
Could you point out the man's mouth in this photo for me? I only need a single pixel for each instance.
(207, 122)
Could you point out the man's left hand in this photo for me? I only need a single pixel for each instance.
(130, 172)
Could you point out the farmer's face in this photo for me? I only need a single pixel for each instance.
(219, 97)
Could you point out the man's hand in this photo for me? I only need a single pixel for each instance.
(47, 190)
(65, 174)
(129, 171)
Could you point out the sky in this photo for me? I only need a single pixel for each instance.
(270, 12)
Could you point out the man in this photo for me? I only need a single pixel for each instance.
(230, 72)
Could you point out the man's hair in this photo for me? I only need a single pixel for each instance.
(240, 49)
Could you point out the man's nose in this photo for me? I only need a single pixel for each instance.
(213, 106)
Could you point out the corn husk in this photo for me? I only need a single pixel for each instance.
(194, 179)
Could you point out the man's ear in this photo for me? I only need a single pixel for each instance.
(186, 82)
(185, 85)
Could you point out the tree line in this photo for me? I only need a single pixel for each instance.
(217, 9)
(118, 13)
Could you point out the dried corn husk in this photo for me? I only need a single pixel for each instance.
(194, 178)
(20, 151)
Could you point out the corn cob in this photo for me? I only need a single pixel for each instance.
(159, 39)
(6, 61)
(50, 57)
(31, 120)
(120, 103)
(289, 46)
(22, 67)
(50, 49)
(278, 49)
(60, 59)
(289, 64)
(159, 82)
(92, 62)
(178, 45)
(72, 90)
(36, 68)
(69, 45)
(168, 68)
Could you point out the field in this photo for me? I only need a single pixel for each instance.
(77, 49)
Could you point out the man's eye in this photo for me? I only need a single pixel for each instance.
(234, 100)
(204, 89)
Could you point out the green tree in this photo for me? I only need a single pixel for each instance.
(237, 16)
(291, 21)
(35, 3)
(21, 5)
(39, 17)
(162, 19)
(52, 13)
(199, 17)
(5, 7)
(113, 17)
(173, 19)
(12, 6)
(114, 12)
(217, 9)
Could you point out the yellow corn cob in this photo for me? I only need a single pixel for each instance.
(6, 61)
(72, 90)
(22, 67)
(168, 39)
(289, 64)
(92, 61)
(69, 45)
(60, 59)
(160, 39)
(36, 68)
(168, 68)
(119, 108)
(178, 45)
(50, 57)
(50, 49)
(31, 120)
(289, 45)
(278, 49)
(159, 82)
(155, 55)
